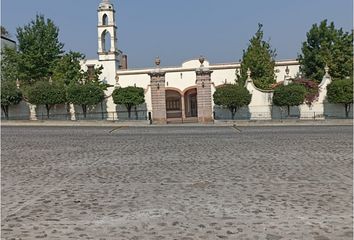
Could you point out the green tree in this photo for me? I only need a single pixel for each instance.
(10, 95)
(68, 68)
(232, 97)
(327, 45)
(129, 97)
(46, 93)
(85, 95)
(289, 95)
(341, 92)
(9, 64)
(259, 58)
(38, 49)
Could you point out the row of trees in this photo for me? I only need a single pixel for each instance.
(48, 76)
(50, 94)
(86, 95)
(325, 45)
(306, 91)
(299, 91)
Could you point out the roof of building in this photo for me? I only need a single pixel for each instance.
(191, 65)
(8, 39)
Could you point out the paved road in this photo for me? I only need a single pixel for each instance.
(181, 183)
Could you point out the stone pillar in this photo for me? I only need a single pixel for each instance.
(204, 101)
(158, 97)
(158, 94)
(183, 107)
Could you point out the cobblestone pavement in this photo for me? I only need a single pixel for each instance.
(180, 183)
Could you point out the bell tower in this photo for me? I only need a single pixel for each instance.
(108, 53)
(107, 33)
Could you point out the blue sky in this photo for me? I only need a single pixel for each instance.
(179, 30)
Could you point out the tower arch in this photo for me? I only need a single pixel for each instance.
(105, 20)
(106, 41)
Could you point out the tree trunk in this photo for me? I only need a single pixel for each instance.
(5, 109)
(84, 109)
(68, 115)
(347, 109)
(129, 108)
(136, 113)
(281, 112)
(288, 111)
(233, 113)
(47, 106)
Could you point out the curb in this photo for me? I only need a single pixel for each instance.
(239, 123)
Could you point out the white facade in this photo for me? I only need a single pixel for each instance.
(183, 78)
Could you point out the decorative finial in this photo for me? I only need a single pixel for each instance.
(201, 60)
(157, 61)
(287, 70)
(18, 83)
(326, 69)
(248, 74)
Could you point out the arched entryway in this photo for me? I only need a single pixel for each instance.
(181, 106)
(190, 102)
(173, 104)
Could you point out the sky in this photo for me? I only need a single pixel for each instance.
(180, 30)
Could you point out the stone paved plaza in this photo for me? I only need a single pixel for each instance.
(180, 183)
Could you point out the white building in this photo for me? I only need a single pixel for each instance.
(181, 92)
